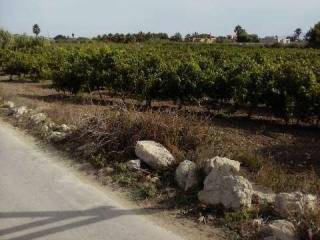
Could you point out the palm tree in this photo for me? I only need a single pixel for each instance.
(36, 29)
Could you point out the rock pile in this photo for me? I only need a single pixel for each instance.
(40, 121)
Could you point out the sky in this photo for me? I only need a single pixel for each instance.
(219, 17)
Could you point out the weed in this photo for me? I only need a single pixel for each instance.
(308, 226)
(144, 191)
(98, 160)
(124, 180)
(250, 161)
(120, 167)
(236, 217)
(182, 199)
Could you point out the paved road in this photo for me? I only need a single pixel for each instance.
(41, 199)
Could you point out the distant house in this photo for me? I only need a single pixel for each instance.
(204, 40)
(275, 39)
(284, 40)
(232, 37)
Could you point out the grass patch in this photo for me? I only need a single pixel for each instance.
(144, 191)
(236, 217)
(250, 161)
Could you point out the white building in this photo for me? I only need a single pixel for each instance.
(275, 39)
(204, 40)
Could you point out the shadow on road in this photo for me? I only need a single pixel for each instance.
(88, 217)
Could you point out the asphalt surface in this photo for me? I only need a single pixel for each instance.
(42, 199)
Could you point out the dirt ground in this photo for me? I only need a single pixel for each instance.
(284, 158)
(295, 149)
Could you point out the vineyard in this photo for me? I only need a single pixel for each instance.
(286, 82)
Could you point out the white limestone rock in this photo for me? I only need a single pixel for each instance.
(8, 104)
(233, 192)
(297, 203)
(134, 165)
(279, 230)
(57, 136)
(154, 155)
(65, 128)
(19, 111)
(262, 195)
(186, 175)
(38, 118)
(226, 165)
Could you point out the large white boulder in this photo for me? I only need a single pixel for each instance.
(226, 165)
(57, 136)
(232, 191)
(65, 128)
(8, 104)
(186, 175)
(19, 111)
(297, 203)
(279, 230)
(154, 155)
(53, 126)
(38, 118)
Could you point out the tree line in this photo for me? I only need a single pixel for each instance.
(240, 35)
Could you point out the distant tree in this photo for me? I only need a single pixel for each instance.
(254, 38)
(5, 38)
(36, 29)
(177, 37)
(163, 36)
(224, 39)
(188, 38)
(313, 36)
(60, 37)
(131, 37)
(243, 36)
(296, 34)
(72, 35)
(140, 36)
(239, 30)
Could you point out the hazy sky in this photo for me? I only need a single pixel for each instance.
(219, 17)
